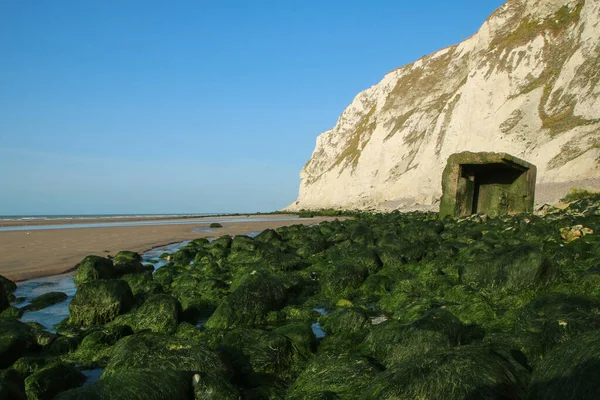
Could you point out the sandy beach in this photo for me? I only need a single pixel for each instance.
(29, 254)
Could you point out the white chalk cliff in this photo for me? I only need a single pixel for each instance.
(527, 83)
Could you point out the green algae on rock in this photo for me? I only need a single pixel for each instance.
(92, 268)
(51, 380)
(45, 300)
(99, 302)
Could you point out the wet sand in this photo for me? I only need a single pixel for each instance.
(38, 253)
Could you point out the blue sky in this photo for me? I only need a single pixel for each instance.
(190, 106)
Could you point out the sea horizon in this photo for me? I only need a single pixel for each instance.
(33, 217)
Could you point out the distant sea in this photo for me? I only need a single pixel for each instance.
(96, 216)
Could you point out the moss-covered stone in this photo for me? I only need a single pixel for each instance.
(8, 285)
(392, 342)
(99, 302)
(135, 384)
(159, 314)
(345, 375)
(259, 357)
(16, 339)
(157, 352)
(465, 372)
(96, 347)
(250, 303)
(92, 268)
(45, 300)
(129, 262)
(12, 386)
(51, 380)
(569, 371)
(142, 286)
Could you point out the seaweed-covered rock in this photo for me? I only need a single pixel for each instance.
(29, 365)
(156, 352)
(345, 376)
(199, 297)
(63, 345)
(268, 236)
(215, 225)
(392, 341)
(223, 242)
(463, 373)
(258, 357)
(45, 300)
(250, 303)
(569, 371)
(128, 262)
(92, 268)
(99, 302)
(339, 280)
(12, 386)
(345, 320)
(302, 336)
(16, 339)
(12, 312)
(213, 387)
(51, 380)
(552, 319)
(243, 243)
(523, 267)
(4, 303)
(135, 385)
(8, 285)
(96, 347)
(142, 285)
(159, 314)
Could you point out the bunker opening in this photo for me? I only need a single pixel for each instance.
(488, 183)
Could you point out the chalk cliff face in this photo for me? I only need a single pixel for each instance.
(527, 83)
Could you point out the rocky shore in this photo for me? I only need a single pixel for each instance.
(409, 307)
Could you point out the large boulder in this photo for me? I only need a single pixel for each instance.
(157, 352)
(462, 373)
(392, 341)
(523, 267)
(135, 385)
(51, 380)
(250, 303)
(16, 339)
(159, 314)
(342, 376)
(259, 357)
(12, 386)
(92, 268)
(128, 262)
(99, 302)
(569, 371)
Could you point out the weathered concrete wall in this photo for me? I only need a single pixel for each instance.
(490, 183)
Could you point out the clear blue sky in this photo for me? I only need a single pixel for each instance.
(190, 106)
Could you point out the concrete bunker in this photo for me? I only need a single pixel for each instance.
(488, 183)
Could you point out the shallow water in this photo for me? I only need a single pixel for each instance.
(203, 221)
(93, 375)
(316, 327)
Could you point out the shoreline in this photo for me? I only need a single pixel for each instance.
(40, 253)
(64, 220)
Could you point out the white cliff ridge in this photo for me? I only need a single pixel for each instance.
(527, 83)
